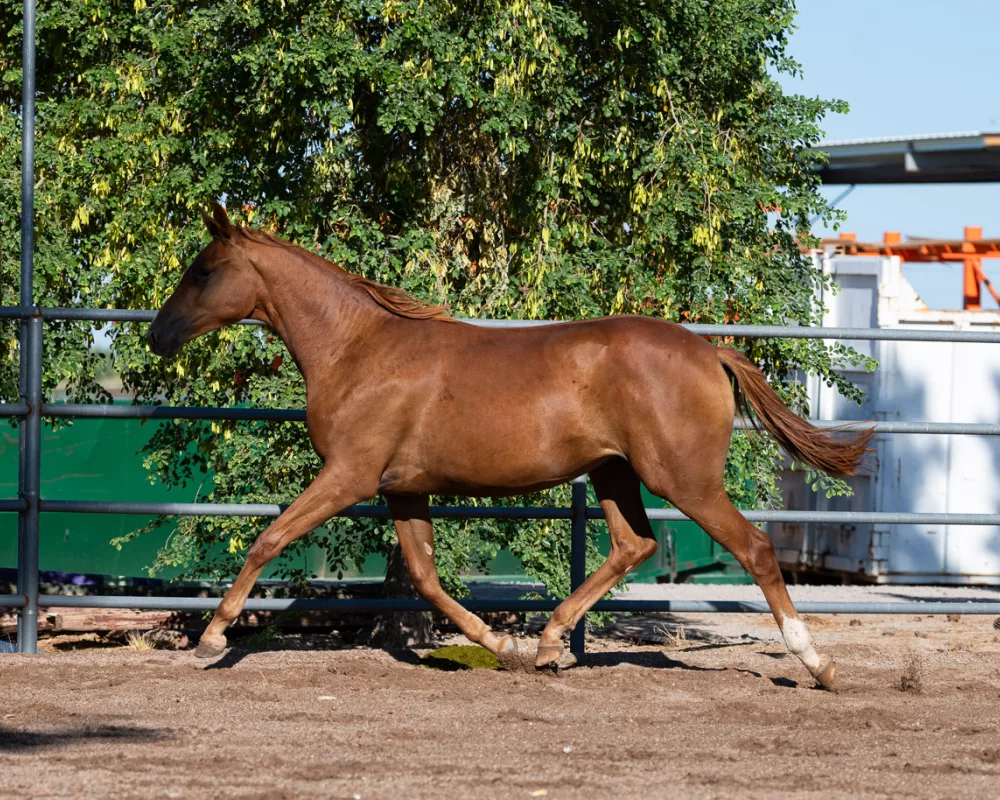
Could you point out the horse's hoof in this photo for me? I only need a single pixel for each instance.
(548, 655)
(827, 672)
(210, 646)
(507, 653)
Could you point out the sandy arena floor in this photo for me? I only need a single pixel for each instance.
(707, 714)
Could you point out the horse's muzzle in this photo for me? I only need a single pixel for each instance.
(165, 343)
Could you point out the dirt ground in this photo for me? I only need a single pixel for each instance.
(699, 715)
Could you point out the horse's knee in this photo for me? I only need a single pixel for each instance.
(266, 548)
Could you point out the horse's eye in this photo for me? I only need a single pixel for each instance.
(199, 273)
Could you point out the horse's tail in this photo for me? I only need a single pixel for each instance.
(834, 451)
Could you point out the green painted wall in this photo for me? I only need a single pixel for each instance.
(93, 459)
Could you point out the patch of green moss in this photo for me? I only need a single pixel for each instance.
(455, 657)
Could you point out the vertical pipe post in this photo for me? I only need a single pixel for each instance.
(30, 484)
(28, 156)
(29, 440)
(578, 559)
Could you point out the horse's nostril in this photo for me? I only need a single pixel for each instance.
(155, 341)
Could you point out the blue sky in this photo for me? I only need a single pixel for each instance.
(908, 67)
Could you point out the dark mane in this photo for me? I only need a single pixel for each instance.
(392, 299)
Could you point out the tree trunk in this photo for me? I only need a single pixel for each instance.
(399, 630)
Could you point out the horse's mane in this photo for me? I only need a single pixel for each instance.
(393, 299)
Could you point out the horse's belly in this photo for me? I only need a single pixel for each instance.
(499, 483)
(508, 430)
(485, 461)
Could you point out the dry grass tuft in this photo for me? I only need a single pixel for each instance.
(911, 681)
(678, 639)
(138, 641)
(672, 640)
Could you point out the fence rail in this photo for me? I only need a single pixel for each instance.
(372, 605)
(30, 408)
(105, 411)
(498, 512)
(971, 336)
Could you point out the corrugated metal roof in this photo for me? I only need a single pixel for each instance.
(914, 138)
(957, 157)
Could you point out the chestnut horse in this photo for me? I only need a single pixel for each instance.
(404, 400)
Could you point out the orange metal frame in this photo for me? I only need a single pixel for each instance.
(970, 251)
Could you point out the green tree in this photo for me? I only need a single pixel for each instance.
(523, 159)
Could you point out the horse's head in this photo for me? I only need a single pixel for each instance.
(219, 288)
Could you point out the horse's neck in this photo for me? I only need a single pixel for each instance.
(317, 314)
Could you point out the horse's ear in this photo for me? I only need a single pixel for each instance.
(222, 218)
(212, 225)
(218, 224)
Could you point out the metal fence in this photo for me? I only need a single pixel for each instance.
(30, 408)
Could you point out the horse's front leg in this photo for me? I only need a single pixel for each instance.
(326, 496)
(411, 516)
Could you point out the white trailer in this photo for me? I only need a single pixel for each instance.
(915, 382)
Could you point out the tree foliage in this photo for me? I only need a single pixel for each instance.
(527, 159)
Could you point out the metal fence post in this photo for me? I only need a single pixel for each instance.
(29, 440)
(578, 558)
(30, 446)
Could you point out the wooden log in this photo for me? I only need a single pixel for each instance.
(105, 619)
(8, 625)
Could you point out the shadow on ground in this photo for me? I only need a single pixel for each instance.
(18, 741)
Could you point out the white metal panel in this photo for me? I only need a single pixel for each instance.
(855, 303)
(846, 548)
(973, 477)
(916, 381)
(915, 384)
(827, 546)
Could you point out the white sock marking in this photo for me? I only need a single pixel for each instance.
(798, 642)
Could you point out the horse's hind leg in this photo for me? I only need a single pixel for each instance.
(632, 542)
(411, 516)
(752, 547)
